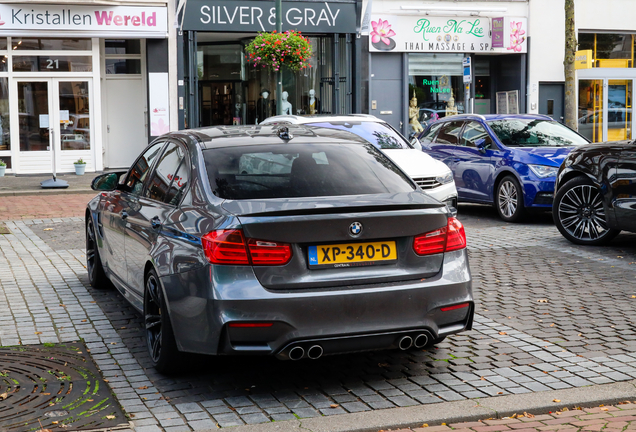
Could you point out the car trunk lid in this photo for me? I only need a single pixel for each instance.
(316, 226)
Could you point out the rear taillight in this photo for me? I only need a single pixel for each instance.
(231, 247)
(456, 236)
(225, 247)
(449, 238)
(269, 253)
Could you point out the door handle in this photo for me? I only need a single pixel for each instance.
(123, 214)
(155, 222)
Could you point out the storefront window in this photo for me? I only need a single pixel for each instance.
(437, 81)
(52, 63)
(233, 91)
(49, 44)
(5, 136)
(123, 66)
(122, 56)
(482, 85)
(609, 49)
(122, 46)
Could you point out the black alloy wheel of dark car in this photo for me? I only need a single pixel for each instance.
(509, 199)
(579, 214)
(96, 276)
(160, 340)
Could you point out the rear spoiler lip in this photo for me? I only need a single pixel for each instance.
(347, 209)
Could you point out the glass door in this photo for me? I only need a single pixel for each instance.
(619, 110)
(591, 113)
(605, 109)
(73, 112)
(54, 124)
(33, 114)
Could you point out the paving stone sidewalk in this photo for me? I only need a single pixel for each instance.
(549, 316)
(609, 419)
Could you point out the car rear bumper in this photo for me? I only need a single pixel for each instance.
(204, 302)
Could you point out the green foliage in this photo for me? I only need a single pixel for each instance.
(80, 161)
(275, 50)
(2, 163)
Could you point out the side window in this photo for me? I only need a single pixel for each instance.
(139, 172)
(428, 137)
(179, 181)
(473, 132)
(449, 134)
(164, 173)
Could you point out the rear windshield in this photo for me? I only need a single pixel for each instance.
(302, 170)
(535, 133)
(378, 134)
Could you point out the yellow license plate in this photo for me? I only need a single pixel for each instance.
(352, 254)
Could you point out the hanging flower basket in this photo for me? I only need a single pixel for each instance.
(275, 50)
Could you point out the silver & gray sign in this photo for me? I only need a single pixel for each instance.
(252, 16)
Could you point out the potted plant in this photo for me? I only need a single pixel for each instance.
(3, 168)
(80, 166)
(275, 50)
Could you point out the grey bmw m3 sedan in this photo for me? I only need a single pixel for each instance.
(295, 242)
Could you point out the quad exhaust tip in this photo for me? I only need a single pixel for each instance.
(315, 352)
(296, 353)
(420, 340)
(405, 343)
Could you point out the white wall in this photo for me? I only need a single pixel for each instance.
(546, 24)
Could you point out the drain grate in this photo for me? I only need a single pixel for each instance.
(57, 386)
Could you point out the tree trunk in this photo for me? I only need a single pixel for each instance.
(568, 66)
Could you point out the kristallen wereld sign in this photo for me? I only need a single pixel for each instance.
(89, 20)
(397, 33)
(253, 16)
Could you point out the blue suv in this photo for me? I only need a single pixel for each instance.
(510, 161)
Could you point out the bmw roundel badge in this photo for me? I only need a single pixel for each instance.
(355, 229)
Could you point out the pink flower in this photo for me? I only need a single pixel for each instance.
(516, 38)
(381, 32)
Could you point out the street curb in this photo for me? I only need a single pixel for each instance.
(455, 412)
(46, 192)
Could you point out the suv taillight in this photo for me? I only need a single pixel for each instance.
(449, 238)
(230, 247)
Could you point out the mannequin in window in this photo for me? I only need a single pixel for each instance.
(413, 113)
(451, 109)
(311, 103)
(286, 106)
(264, 107)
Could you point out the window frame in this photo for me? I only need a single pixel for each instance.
(461, 130)
(185, 161)
(151, 168)
(492, 146)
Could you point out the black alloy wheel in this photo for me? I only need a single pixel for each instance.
(579, 214)
(160, 340)
(509, 200)
(96, 276)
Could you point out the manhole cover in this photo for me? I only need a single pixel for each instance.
(55, 386)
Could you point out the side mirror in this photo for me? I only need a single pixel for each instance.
(415, 142)
(481, 145)
(106, 182)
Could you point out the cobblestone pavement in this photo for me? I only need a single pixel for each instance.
(610, 419)
(550, 315)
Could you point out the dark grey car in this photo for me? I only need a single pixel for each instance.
(295, 242)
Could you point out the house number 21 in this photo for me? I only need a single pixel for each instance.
(52, 64)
